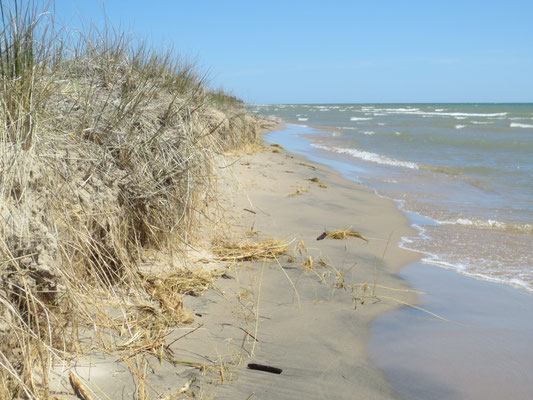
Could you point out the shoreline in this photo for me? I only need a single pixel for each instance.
(418, 221)
(392, 333)
(415, 155)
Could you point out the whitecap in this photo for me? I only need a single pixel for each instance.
(368, 133)
(368, 156)
(517, 125)
(359, 119)
(401, 110)
(446, 114)
(303, 119)
(459, 126)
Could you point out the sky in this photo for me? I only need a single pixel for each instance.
(332, 51)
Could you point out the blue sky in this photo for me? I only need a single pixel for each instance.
(340, 51)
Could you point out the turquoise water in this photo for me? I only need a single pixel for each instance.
(466, 168)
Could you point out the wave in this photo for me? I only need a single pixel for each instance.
(368, 132)
(303, 119)
(466, 170)
(446, 114)
(360, 119)
(368, 156)
(517, 125)
(459, 126)
(482, 122)
(490, 224)
(465, 267)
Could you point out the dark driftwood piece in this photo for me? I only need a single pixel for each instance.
(322, 236)
(266, 368)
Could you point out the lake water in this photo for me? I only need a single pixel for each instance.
(464, 173)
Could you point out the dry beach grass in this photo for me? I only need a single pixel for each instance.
(106, 153)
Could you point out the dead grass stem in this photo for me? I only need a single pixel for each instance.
(229, 250)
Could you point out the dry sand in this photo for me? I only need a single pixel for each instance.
(314, 324)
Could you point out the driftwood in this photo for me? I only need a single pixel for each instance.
(266, 368)
(322, 236)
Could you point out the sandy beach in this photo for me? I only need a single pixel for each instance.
(319, 312)
(307, 312)
(314, 324)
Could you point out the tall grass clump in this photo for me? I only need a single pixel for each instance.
(106, 151)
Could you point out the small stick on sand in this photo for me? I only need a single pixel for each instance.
(266, 368)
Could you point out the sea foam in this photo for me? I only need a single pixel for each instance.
(360, 119)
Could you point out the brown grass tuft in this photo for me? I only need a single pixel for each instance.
(344, 234)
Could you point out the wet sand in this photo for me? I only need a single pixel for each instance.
(484, 352)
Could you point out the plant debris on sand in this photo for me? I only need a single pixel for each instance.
(341, 234)
(229, 250)
(106, 151)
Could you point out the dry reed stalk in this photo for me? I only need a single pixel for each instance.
(307, 165)
(248, 251)
(183, 390)
(78, 388)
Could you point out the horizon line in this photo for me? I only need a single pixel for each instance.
(401, 102)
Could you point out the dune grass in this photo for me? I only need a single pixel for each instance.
(106, 151)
